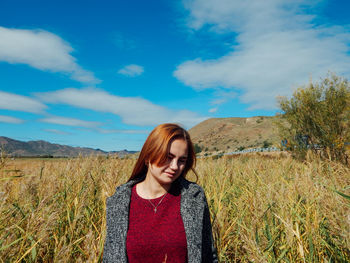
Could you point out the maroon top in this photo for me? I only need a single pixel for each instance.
(156, 237)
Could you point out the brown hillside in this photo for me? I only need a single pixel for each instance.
(229, 134)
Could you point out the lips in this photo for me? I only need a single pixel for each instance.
(170, 174)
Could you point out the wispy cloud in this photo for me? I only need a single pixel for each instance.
(278, 47)
(221, 98)
(9, 119)
(132, 110)
(70, 122)
(123, 42)
(10, 101)
(131, 70)
(42, 50)
(213, 110)
(57, 131)
(218, 101)
(108, 131)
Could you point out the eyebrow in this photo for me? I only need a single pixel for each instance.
(183, 157)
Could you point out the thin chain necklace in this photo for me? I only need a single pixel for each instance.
(155, 206)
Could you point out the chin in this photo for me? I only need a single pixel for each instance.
(169, 178)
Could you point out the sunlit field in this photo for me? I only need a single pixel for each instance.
(263, 209)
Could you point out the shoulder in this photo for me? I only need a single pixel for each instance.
(121, 192)
(191, 189)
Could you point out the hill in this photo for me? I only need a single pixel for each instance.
(231, 134)
(42, 148)
(212, 135)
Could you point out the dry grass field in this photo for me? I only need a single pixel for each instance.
(264, 209)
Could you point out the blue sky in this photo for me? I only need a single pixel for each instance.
(102, 74)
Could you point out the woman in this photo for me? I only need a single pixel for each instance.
(159, 216)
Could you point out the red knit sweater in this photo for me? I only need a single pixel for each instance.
(156, 237)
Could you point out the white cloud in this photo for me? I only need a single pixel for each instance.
(277, 48)
(218, 101)
(56, 131)
(221, 98)
(70, 122)
(10, 101)
(108, 131)
(242, 16)
(9, 119)
(132, 110)
(123, 42)
(42, 50)
(131, 70)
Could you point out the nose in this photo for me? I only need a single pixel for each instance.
(173, 164)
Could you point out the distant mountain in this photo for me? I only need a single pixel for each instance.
(212, 135)
(42, 148)
(230, 134)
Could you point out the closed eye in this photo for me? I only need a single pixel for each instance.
(183, 160)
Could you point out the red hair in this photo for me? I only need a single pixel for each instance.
(157, 146)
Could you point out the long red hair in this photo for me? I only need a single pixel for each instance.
(157, 146)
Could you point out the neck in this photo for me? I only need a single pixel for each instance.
(151, 189)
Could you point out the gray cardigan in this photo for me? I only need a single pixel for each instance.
(195, 216)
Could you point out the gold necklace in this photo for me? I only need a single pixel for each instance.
(155, 206)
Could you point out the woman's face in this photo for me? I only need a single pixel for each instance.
(172, 169)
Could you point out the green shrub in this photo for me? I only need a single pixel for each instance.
(197, 148)
(317, 118)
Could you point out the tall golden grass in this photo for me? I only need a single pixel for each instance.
(263, 209)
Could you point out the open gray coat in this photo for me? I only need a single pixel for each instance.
(195, 216)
